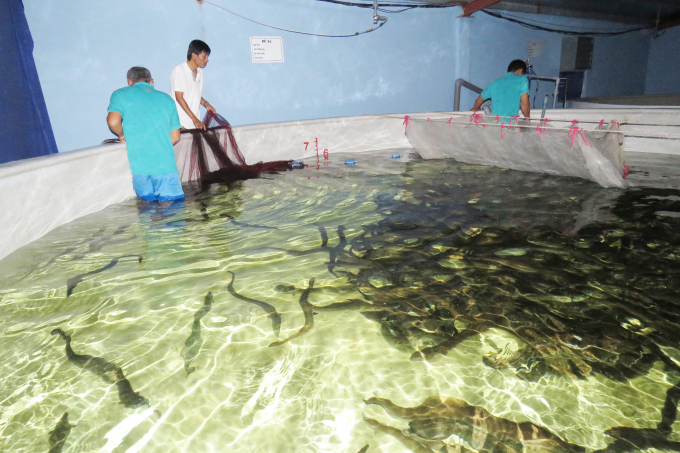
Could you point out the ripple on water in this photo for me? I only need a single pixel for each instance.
(426, 241)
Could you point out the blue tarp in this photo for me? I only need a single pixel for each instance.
(25, 129)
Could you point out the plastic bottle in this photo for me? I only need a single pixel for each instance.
(350, 162)
(396, 156)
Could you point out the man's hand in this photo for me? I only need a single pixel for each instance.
(121, 138)
(179, 97)
(209, 107)
(198, 124)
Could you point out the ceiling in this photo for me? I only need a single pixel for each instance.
(664, 13)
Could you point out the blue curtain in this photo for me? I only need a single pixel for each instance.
(25, 129)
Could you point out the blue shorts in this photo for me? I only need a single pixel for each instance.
(158, 187)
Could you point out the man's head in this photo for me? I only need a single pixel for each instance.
(198, 52)
(518, 67)
(138, 74)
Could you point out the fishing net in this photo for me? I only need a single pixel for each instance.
(224, 163)
(521, 145)
(218, 137)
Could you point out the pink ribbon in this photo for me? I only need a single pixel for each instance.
(431, 128)
(498, 119)
(625, 171)
(450, 119)
(503, 124)
(477, 118)
(539, 128)
(574, 132)
(617, 124)
(406, 118)
(516, 118)
(601, 123)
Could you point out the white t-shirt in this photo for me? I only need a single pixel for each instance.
(182, 79)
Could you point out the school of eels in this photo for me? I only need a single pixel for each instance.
(600, 297)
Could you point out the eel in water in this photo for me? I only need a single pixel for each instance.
(72, 282)
(633, 439)
(411, 444)
(192, 345)
(271, 311)
(59, 434)
(309, 315)
(438, 418)
(107, 371)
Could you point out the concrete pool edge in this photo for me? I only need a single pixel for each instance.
(44, 193)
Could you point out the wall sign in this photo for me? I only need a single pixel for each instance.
(266, 49)
(533, 49)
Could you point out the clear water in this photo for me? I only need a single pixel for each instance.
(580, 280)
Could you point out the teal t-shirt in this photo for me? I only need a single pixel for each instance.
(505, 93)
(148, 118)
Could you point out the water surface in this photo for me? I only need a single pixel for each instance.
(530, 298)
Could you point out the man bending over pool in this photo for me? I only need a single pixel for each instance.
(508, 94)
(147, 121)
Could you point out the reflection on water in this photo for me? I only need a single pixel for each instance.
(390, 306)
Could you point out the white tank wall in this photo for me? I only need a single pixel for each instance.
(637, 123)
(44, 193)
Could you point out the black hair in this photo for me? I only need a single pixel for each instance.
(198, 47)
(139, 74)
(517, 64)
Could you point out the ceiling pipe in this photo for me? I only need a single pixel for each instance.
(376, 16)
(477, 5)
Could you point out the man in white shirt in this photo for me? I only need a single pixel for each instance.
(186, 86)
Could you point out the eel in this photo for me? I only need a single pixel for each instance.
(411, 444)
(271, 311)
(309, 315)
(192, 345)
(59, 434)
(73, 282)
(108, 372)
(437, 418)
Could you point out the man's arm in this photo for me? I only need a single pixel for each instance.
(207, 106)
(179, 96)
(524, 105)
(115, 122)
(174, 136)
(478, 103)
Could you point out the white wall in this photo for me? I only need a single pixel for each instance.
(83, 49)
(493, 43)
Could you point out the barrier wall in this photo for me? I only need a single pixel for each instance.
(647, 130)
(44, 193)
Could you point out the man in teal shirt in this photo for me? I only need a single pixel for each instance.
(508, 94)
(146, 120)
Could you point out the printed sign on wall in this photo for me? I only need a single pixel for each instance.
(533, 49)
(266, 49)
